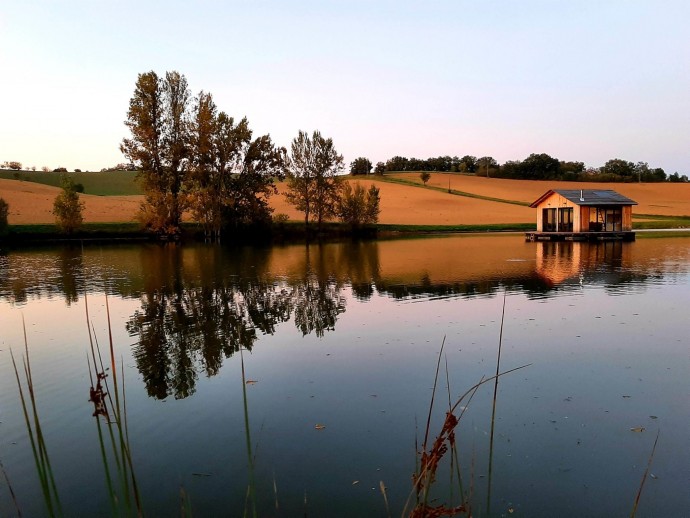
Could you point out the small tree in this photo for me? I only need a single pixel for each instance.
(4, 211)
(357, 206)
(425, 175)
(380, 168)
(67, 208)
(360, 165)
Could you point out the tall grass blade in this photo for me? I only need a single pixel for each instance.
(644, 477)
(9, 486)
(454, 459)
(185, 504)
(251, 489)
(382, 488)
(493, 409)
(39, 448)
(115, 414)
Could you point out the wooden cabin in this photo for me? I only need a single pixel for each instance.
(583, 215)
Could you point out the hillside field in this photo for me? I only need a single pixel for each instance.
(401, 203)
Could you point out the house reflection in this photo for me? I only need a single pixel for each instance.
(565, 262)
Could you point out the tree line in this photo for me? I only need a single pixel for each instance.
(194, 157)
(537, 166)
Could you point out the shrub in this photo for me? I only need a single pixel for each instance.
(60, 170)
(67, 208)
(4, 211)
(425, 176)
(358, 207)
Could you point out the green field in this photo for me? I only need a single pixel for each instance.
(111, 183)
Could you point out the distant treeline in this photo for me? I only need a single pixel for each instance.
(535, 167)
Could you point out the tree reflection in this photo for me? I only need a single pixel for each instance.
(189, 324)
(317, 306)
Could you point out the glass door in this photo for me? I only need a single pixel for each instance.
(613, 220)
(548, 223)
(565, 219)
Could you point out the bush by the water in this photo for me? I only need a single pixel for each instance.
(4, 211)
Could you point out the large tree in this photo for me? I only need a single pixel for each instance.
(620, 168)
(468, 164)
(313, 181)
(205, 184)
(232, 176)
(158, 119)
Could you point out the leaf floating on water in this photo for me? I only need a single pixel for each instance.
(638, 429)
(627, 397)
(251, 382)
(355, 482)
(320, 427)
(653, 476)
(653, 417)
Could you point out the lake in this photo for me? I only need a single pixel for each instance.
(339, 345)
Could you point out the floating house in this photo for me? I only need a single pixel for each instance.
(583, 215)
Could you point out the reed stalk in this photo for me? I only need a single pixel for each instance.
(493, 409)
(114, 413)
(644, 477)
(431, 456)
(9, 487)
(251, 488)
(39, 448)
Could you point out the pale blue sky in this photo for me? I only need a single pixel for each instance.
(580, 80)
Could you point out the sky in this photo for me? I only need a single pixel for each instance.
(584, 80)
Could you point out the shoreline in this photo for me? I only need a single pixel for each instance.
(19, 236)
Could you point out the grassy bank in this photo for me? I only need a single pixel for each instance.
(650, 221)
(44, 233)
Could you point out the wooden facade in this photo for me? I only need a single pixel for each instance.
(583, 214)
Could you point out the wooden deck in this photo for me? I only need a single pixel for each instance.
(580, 236)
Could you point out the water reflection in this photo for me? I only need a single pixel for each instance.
(189, 323)
(563, 266)
(201, 304)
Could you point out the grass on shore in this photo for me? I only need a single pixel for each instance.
(652, 221)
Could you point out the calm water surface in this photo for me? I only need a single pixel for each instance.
(346, 336)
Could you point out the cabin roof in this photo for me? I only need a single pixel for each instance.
(588, 197)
